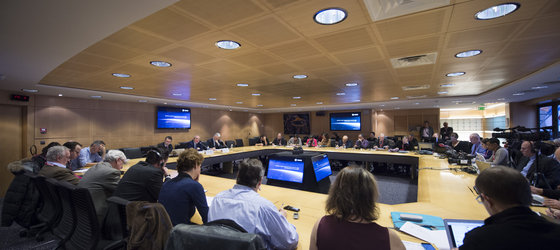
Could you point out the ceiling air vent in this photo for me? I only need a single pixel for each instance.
(410, 61)
(415, 87)
(383, 9)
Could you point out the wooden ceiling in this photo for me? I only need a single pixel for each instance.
(280, 39)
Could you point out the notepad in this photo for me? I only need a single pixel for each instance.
(436, 237)
(428, 221)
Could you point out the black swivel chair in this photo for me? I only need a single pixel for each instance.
(252, 141)
(65, 227)
(132, 153)
(118, 214)
(238, 142)
(229, 143)
(49, 210)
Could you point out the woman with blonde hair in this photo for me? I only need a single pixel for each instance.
(351, 212)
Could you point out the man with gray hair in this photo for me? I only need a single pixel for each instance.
(55, 167)
(215, 142)
(252, 212)
(476, 147)
(101, 180)
(91, 153)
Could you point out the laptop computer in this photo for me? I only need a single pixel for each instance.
(456, 230)
(425, 145)
(482, 165)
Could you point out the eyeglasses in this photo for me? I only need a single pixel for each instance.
(478, 193)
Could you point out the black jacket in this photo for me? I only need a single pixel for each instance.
(22, 198)
(514, 228)
(169, 147)
(212, 144)
(199, 146)
(142, 182)
(548, 166)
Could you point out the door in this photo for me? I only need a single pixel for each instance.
(11, 137)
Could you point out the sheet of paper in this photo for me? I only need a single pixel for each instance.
(209, 200)
(81, 170)
(436, 237)
(412, 245)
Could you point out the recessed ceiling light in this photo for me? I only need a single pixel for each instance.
(416, 103)
(239, 102)
(95, 96)
(120, 75)
(293, 105)
(352, 84)
(242, 85)
(394, 98)
(259, 105)
(442, 92)
(59, 94)
(447, 85)
(468, 53)
(340, 93)
(299, 76)
(319, 103)
(455, 74)
(30, 90)
(501, 99)
(160, 64)
(519, 93)
(227, 44)
(165, 103)
(126, 87)
(142, 101)
(497, 11)
(540, 87)
(256, 94)
(212, 99)
(297, 97)
(330, 16)
(177, 94)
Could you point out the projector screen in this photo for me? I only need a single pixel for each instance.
(177, 118)
(346, 121)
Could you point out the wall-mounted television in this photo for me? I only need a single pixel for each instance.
(350, 121)
(290, 170)
(321, 166)
(174, 118)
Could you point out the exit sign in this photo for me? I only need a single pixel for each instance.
(481, 108)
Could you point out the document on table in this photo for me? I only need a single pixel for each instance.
(412, 245)
(209, 200)
(436, 237)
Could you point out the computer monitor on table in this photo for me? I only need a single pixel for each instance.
(456, 230)
(289, 170)
(321, 167)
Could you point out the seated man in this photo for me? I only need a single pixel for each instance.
(252, 212)
(215, 142)
(55, 167)
(142, 182)
(183, 193)
(345, 143)
(91, 153)
(405, 144)
(167, 144)
(528, 167)
(506, 196)
(41, 159)
(372, 137)
(196, 144)
(553, 192)
(476, 147)
(75, 148)
(263, 141)
(101, 180)
(279, 140)
(361, 142)
(295, 141)
(384, 142)
(499, 156)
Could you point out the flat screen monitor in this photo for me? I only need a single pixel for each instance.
(456, 230)
(321, 166)
(286, 170)
(351, 121)
(177, 118)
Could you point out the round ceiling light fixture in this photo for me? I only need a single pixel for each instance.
(161, 64)
(497, 11)
(227, 44)
(330, 16)
(468, 53)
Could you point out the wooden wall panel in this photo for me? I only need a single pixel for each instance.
(400, 122)
(11, 125)
(523, 114)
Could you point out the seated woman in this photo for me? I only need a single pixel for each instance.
(325, 142)
(263, 141)
(459, 146)
(352, 210)
(311, 142)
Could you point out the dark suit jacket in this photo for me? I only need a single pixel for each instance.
(199, 146)
(212, 144)
(445, 133)
(142, 182)
(385, 142)
(59, 173)
(408, 146)
(101, 180)
(169, 147)
(462, 146)
(280, 142)
(348, 144)
(430, 133)
(548, 166)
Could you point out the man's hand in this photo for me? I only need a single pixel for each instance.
(536, 190)
(283, 212)
(552, 203)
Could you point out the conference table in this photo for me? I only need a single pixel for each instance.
(441, 192)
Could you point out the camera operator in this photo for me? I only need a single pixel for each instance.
(532, 163)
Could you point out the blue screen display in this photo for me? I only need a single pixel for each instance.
(286, 170)
(346, 121)
(173, 117)
(321, 167)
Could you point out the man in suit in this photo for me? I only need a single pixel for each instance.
(166, 144)
(279, 140)
(345, 143)
(196, 144)
(55, 167)
(215, 142)
(407, 143)
(528, 166)
(75, 148)
(446, 132)
(384, 142)
(142, 182)
(101, 180)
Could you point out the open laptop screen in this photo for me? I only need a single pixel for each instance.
(456, 230)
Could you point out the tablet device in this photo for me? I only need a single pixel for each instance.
(456, 230)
